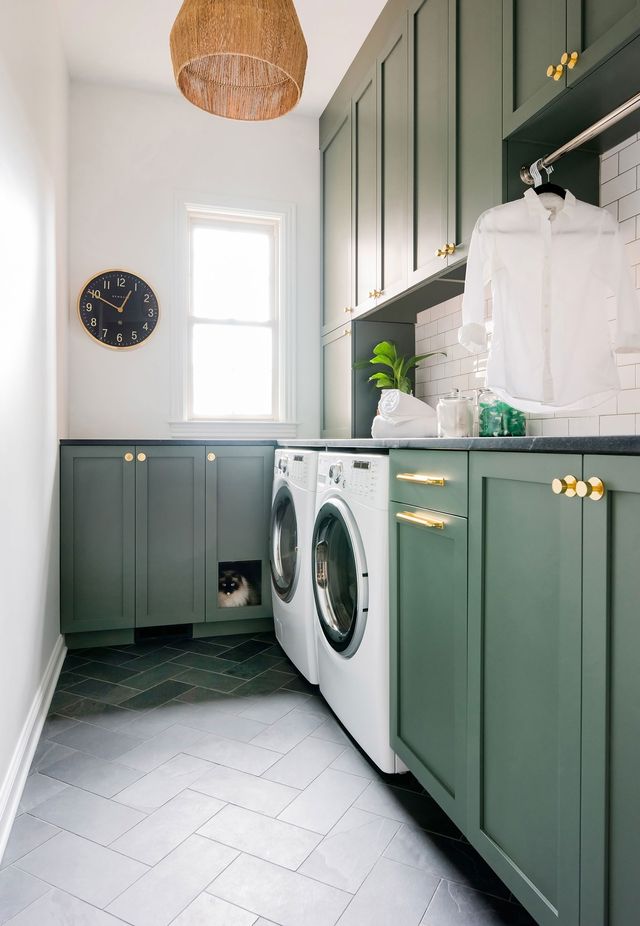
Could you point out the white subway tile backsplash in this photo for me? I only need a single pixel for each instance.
(623, 144)
(620, 186)
(609, 168)
(628, 229)
(629, 401)
(617, 424)
(584, 427)
(555, 427)
(629, 157)
(628, 206)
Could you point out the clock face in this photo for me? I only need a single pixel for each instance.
(118, 309)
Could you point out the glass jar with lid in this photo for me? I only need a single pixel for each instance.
(455, 415)
(498, 419)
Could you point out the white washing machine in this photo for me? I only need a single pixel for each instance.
(292, 513)
(351, 592)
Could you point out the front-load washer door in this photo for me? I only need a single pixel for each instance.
(284, 558)
(340, 578)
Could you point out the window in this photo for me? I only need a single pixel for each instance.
(237, 368)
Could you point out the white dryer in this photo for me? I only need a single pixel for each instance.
(292, 512)
(351, 592)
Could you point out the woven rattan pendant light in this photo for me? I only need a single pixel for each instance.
(243, 59)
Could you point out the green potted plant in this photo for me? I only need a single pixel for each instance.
(397, 375)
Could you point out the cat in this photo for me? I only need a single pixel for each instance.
(235, 591)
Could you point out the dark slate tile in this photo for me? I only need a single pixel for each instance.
(252, 667)
(152, 659)
(150, 677)
(60, 700)
(201, 661)
(199, 695)
(102, 691)
(153, 697)
(298, 683)
(245, 650)
(267, 636)
(230, 640)
(202, 679)
(107, 655)
(275, 650)
(71, 662)
(106, 672)
(269, 681)
(54, 724)
(96, 741)
(407, 807)
(109, 716)
(456, 905)
(68, 679)
(198, 646)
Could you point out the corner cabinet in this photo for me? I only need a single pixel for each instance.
(148, 530)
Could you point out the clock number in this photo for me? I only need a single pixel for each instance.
(94, 322)
(89, 307)
(104, 332)
(134, 335)
(121, 282)
(136, 287)
(95, 293)
(150, 313)
(146, 326)
(106, 284)
(119, 339)
(146, 298)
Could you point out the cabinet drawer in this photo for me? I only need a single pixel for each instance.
(430, 479)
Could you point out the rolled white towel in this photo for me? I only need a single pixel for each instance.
(398, 406)
(410, 427)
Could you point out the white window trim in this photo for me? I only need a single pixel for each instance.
(181, 426)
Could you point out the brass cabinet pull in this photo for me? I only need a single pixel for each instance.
(419, 520)
(570, 59)
(556, 71)
(142, 457)
(566, 486)
(592, 488)
(211, 457)
(128, 457)
(421, 479)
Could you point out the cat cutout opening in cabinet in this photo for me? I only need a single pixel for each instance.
(239, 585)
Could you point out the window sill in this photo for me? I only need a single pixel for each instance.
(205, 430)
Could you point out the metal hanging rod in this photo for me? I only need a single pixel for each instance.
(529, 174)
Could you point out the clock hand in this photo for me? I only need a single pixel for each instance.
(126, 299)
(106, 301)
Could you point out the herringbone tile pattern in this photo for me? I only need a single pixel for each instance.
(205, 783)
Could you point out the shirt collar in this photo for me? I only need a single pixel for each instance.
(536, 206)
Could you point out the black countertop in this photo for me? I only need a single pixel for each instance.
(624, 444)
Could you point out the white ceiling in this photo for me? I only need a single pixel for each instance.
(126, 42)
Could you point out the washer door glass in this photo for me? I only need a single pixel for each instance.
(340, 578)
(284, 545)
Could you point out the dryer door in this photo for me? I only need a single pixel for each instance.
(340, 578)
(284, 545)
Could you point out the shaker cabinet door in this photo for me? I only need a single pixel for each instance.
(596, 29)
(336, 227)
(337, 378)
(611, 693)
(97, 538)
(169, 535)
(365, 208)
(525, 615)
(428, 602)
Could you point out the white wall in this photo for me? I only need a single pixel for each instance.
(33, 132)
(131, 153)
(437, 328)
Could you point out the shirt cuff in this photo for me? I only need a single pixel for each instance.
(627, 342)
(473, 337)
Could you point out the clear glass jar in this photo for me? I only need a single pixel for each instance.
(497, 419)
(455, 415)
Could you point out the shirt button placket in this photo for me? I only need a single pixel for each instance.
(547, 384)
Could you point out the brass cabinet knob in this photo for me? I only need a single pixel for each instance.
(347, 331)
(592, 488)
(211, 457)
(377, 293)
(555, 70)
(551, 70)
(142, 457)
(566, 486)
(570, 59)
(372, 294)
(442, 252)
(348, 310)
(128, 458)
(450, 248)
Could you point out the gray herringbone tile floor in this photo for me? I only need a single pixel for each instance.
(205, 783)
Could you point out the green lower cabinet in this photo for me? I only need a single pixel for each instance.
(524, 704)
(428, 650)
(97, 538)
(238, 508)
(611, 695)
(170, 535)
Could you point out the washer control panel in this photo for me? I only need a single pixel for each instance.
(361, 477)
(297, 467)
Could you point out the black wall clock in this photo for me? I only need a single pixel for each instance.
(118, 309)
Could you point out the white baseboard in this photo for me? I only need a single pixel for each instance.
(13, 785)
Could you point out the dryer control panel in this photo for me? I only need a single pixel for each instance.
(298, 467)
(363, 478)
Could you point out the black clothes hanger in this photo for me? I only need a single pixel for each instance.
(547, 187)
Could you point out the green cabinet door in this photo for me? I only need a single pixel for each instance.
(429, 105)
(392, 163)
(170, 539)
(364, 184)
(97, 538)
(429, 650)
(239, 480)
(595, 30)
(534, 37)
(611, 695)
(337, 375)
(525, 601)
(336, 226)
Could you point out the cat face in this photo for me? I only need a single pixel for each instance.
(229, 582)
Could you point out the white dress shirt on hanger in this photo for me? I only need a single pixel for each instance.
(551, 263)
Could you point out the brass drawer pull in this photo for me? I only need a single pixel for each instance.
(566, 486)
(411, 518)
(593, 488)
(421, 479)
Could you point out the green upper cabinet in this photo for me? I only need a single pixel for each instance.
(524, 706)
(551, 44)
(336, 226)
(170, 537)
(535, 38)
(97, 538)
(364, 186)
(337, 383)
(611, 694)
(238, 506)
(428, 601)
